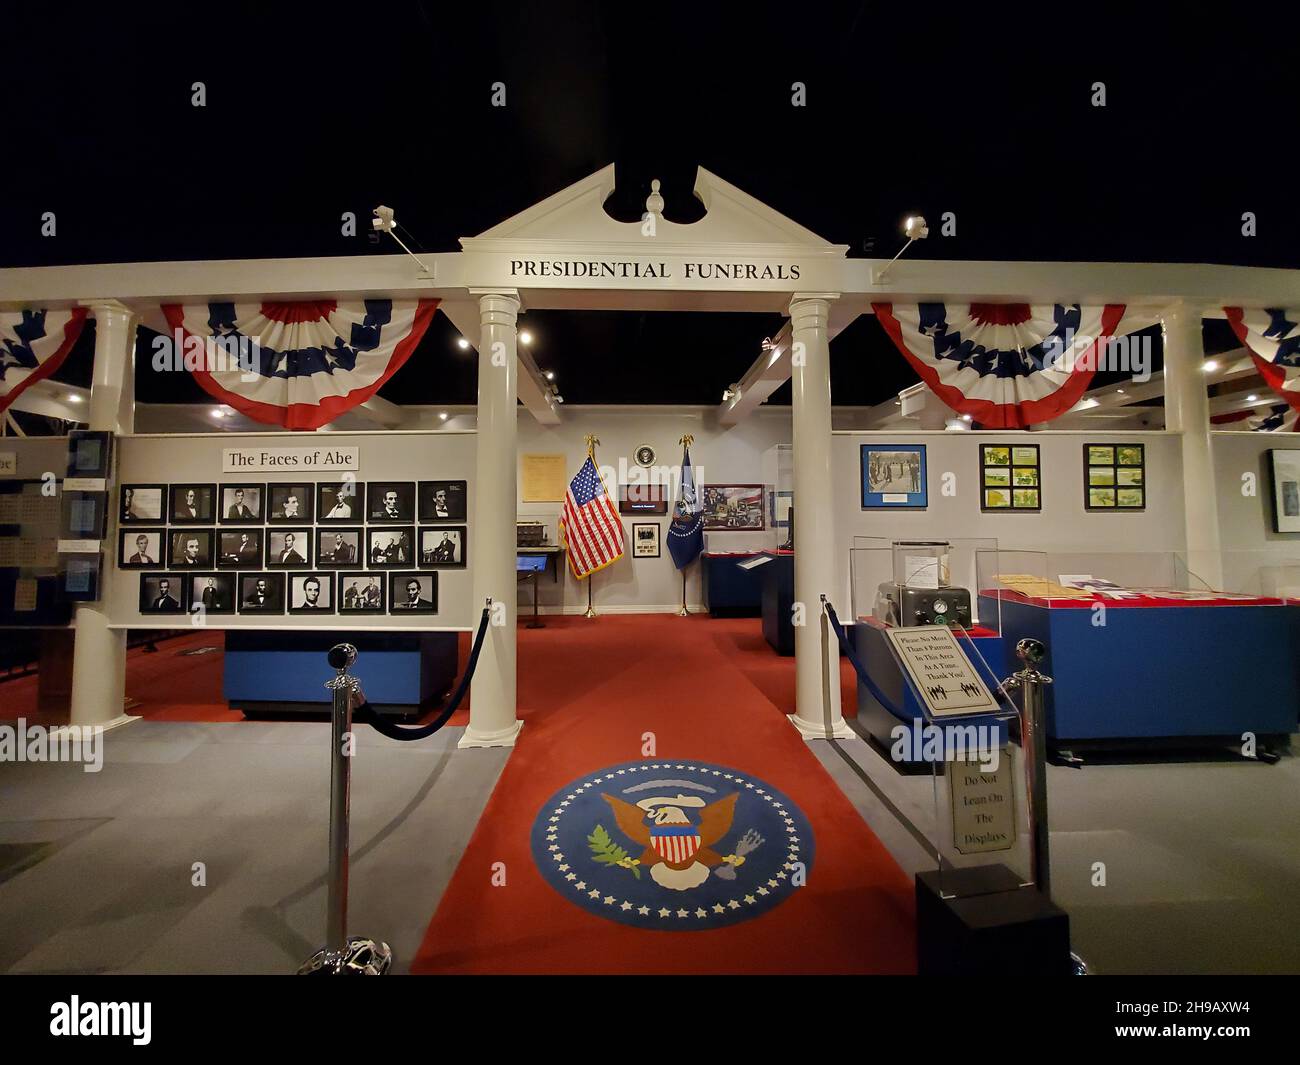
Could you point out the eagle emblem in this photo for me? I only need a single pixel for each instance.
(678, 850)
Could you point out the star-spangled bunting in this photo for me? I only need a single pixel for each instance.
(593, 531)
(1007, 365)
(305, 363)
(1273, 338)
(33, 345)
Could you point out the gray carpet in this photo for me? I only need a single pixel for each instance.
(1201, 859)
(96, 869)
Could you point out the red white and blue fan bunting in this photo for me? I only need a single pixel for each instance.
(33, 344)
(302, 364)
(1273, 338)
(1278, 418)
(1007, 365)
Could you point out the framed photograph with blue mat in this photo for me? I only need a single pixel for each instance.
(894, 477)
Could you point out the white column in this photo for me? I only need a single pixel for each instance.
(99, 653)
(816, 653)
(492, 720)
(1187, 413)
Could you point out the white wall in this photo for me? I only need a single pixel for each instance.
(1253, 552)
(719, 455)
(384, 457)
(1063, 525)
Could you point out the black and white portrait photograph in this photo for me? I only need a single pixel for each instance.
(442, 546)
(390, 547)
(142, 503)
(289, 503)
(361, 593)
(339, 548)
(288, 547)
(261, 593)
(140, 548)
(190, 548)
(645, 539)
(161, 593)
(192, 504)
(241, 504)
(413, 593)
(443, 501)
(311, 593)
(389, 501)
(340, 501)
(239, 550)
(212, 593)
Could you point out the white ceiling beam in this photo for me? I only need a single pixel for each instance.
(534, 390)
(54, 400)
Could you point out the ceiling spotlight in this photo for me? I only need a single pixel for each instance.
(384, 222)
(442, 415)
(1210, 366)
(462, 343)
(965, 417)
(525, 337)
(218, 412)
(549, 375)
(1119, 392)
(1252, 398)
(559, 398)
(74, 398)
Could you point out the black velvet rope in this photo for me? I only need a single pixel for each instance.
(366, 714)
(860, 669)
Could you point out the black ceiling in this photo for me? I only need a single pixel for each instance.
(310, 115)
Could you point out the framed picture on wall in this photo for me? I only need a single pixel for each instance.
(140, 548)
(1114, 477)
(443, 501)
(1011, 477)
(241, 504)
(442, 545)
(239, 550)
(141, 504)
(193, 504)
(288, 504)
(261, 593)
(211, 593)
(340, 548)
(311, 593)
(190, 549)
(340, 501)
(413, 593)
(645, 539)
(733, 507)
(1284, 469)
(893, 477)
(162, 593)
(390, 547)
(361, 593)
(390, 501)
(287, 548)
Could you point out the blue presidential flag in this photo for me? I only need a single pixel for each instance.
(686, 531)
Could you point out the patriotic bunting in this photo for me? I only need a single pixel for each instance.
(298, 365)
(592, 529)
(33, 345)
(1007, 365)
(1274, 419)
(1273, 339)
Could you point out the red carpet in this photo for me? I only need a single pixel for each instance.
(706, 689)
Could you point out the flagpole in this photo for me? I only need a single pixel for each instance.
(592, 441)
(686, 441)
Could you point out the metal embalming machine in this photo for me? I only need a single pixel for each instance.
(921, 592)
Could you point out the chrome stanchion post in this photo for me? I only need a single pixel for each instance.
(342, 956)
(1033, 744)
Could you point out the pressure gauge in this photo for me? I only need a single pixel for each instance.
(940, 606)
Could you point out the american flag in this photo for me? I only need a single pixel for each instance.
(593, 533)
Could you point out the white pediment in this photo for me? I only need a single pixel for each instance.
(576, 218)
